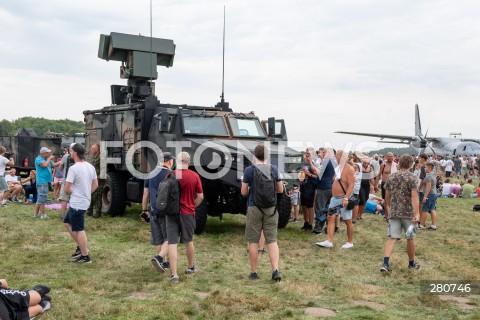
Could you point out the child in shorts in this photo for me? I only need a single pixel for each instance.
(295, 196)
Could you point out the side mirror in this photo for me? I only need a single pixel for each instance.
(164, 121)
(271, 126)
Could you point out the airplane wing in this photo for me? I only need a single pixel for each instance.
(402, 139)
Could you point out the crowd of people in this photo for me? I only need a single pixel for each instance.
(336, 186)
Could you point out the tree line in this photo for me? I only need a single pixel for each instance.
(41, 125)
(395, 151)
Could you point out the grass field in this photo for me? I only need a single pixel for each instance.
(121, 283)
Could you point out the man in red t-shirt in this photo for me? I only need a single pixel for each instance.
(183, 225)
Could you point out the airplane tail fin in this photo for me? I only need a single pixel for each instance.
(418, 126)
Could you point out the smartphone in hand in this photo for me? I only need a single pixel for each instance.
(144, 216)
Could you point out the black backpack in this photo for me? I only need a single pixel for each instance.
(476, 207)
(168, 196)
(265, 187)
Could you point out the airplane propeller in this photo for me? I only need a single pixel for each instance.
(424, 143)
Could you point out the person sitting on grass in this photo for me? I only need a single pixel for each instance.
(30, 187)
(373, 207)
(3, 184)
(439, 186)
(23, 305)
(477, 192)
(455, 189)
(468, 189)
(446, 188)
(14, 185)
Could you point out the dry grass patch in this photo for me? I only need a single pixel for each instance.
(461, 302)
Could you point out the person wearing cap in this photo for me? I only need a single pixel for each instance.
(158, 226)
(65, 164)
(81, 182)
(43, 165)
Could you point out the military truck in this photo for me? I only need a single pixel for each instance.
(136, 128)
(24, 147)
(67, 139)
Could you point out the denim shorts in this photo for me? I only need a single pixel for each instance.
(337, 201)
(430, 204)
(42, 193)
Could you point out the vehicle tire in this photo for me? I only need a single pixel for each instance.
(284, 207)
(201, 214)
(114, 194)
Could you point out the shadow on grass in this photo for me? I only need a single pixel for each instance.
(232, 224)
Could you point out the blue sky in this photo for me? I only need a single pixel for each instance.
(321, 65)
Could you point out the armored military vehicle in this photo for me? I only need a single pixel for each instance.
(24, 147)
(133, 130)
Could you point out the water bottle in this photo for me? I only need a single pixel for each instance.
(30, 197)
(410, 231)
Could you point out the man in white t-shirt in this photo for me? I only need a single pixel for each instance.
(81, 182)
(449, 167)
(443, 165)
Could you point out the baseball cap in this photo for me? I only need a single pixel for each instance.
(362, 156)
(44, 150)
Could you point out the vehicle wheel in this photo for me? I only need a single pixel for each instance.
(114, 194)
(284, 207)
(201, 214)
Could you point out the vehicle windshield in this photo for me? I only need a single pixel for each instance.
(243, 127)
(204, 125)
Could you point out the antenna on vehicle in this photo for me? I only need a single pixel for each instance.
(224, 106)
(151, 44)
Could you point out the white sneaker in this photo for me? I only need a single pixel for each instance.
(347, 245)
(325, 244)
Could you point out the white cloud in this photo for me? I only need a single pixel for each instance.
(321, 65)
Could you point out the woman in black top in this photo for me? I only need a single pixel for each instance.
(30, 186)
(367, 179)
